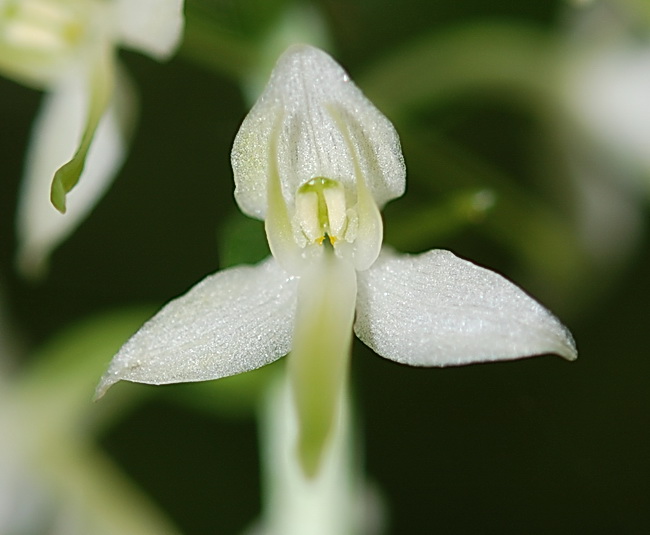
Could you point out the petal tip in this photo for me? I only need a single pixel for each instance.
(58, 193)
(570, 352)
(563, 344)
(107, 380)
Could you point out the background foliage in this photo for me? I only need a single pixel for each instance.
(532, 446)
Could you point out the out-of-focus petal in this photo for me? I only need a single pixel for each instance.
(610, 93)
(151, 26)
(100, 71)
(55, 137)
(436, 309)
(233, 321)
(292, 128)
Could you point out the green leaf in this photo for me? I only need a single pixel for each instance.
(66, 370)
(513, 60)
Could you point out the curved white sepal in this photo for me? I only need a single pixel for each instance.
(436, 309)
(231, 322)
(55, 137)
(154, 27)
(369, 231)
(306, 141)
(278, 225)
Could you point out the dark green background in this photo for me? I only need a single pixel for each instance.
(534, 446)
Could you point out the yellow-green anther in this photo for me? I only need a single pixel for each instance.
(321, 210)
(41, 26)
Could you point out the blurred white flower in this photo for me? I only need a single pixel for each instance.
(316, 160)
(53, 479)
(615, 101)
(68, 49)
(605, 90)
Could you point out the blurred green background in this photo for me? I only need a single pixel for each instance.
(533, 446)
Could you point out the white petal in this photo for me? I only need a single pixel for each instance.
(436, 309)
(292, 126)
(151, 26)
(278, 226)
(233, 321)
(55, 138)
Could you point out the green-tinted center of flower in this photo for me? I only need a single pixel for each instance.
(322, 213)
(43, 26)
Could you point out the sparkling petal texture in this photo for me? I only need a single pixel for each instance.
(436, 309)
(55, 137)
(150, 26)
(233, 321)
(307, 88)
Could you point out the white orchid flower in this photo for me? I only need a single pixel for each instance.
(609, 90)
(316, 161)
(67, 48)
(54, 479)
(604, 88)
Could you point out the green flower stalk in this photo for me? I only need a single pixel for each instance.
(337, 501)
(317, 161)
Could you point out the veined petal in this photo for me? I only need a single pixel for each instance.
(369, 232)
(233, 321)
(278, 225)
(318, 362)
(151, 26)
(101, 73)
(306, 142)
(55, 133)
(436, 309)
